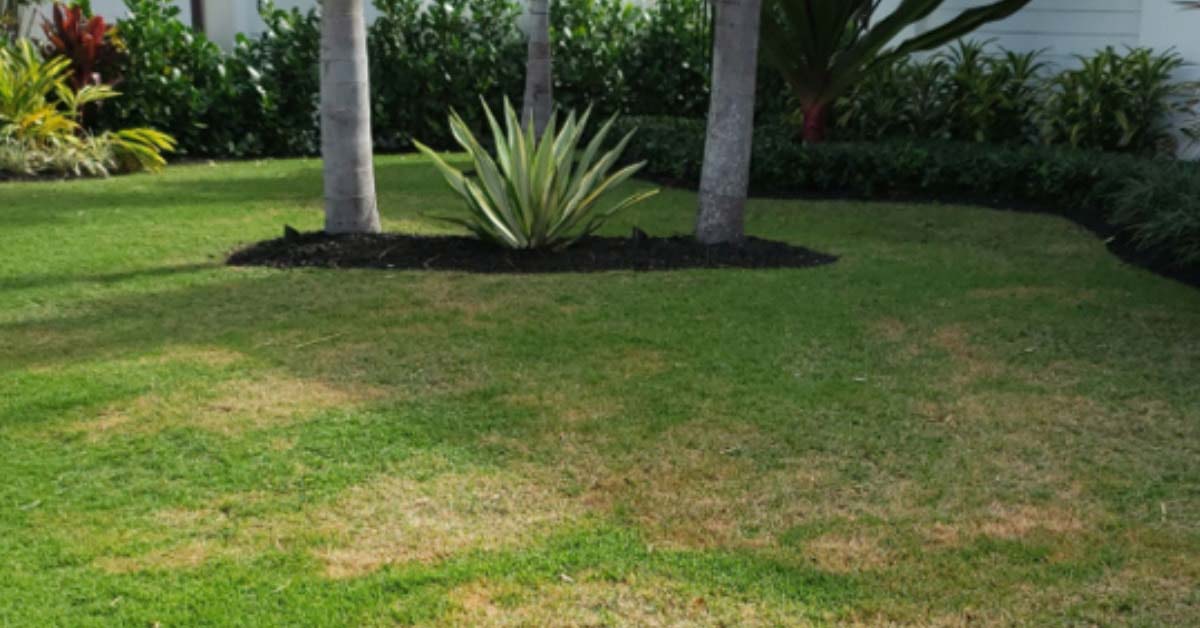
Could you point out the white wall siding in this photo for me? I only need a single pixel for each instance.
(111, 10)
(1062, 28)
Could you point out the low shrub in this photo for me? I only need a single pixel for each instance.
(1114, 101)
(175, 78)
(284, 65)
(430, 57)
(263, 97)
(1153, 203)
(667, 64)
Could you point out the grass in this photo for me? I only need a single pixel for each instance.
(975, 417)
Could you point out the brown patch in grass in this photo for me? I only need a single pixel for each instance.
(276, 400)
(1025, 293)
(390, 520)
(642, 362)
(396, 520)
(215, 357)
(842, 553)
(1013, 522)
(970, 363)
(1167, 591)
(188, 556)
(569, 406)
(231, 408)
(890, 329)
(1021, 415)
(650, 601)
(208, 356)
(1017, 522)
(701, 487)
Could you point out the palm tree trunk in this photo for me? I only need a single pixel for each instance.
(350, 205)
(726, 172)
(539, 90)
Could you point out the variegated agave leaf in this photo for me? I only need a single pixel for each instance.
(536, 192)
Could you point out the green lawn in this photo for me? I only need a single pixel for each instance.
(975, 417)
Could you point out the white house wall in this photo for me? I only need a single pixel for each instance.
(1062, 28)
(111, 10)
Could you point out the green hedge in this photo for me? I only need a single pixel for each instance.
(261, 99)
(1114, 100)
(1150, 206)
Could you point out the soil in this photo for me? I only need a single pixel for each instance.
(639, 252)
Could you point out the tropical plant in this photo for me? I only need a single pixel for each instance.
(992, 97)
(1116, 101)
(537, 192)
(824, 47)
(40, 121)
(88, 41)
(907, 98)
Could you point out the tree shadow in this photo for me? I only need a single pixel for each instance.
(292, 183)
(27, 281)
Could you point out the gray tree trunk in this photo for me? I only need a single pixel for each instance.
(726, 172)
(539, 87)
(350, 205)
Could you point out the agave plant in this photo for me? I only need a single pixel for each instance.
(537, 192)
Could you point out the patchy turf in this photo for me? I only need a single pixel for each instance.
(974, 417)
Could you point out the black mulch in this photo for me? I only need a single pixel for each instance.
(395, 251)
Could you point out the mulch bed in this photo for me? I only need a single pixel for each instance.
(639, 252)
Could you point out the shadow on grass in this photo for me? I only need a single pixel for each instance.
(27, 281)
(282, 182)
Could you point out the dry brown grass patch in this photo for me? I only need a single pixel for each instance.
(570, 406)
(231, 407)
(1019, 521)
(890, 329)
(649, 602)
(391, 520)
(396, 519)
(1025, 293)
(700, 487)
(848, 553)
(970, 362)
(187, 556)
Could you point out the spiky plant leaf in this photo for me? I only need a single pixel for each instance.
(536, 192)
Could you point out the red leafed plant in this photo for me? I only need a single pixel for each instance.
(89, 42)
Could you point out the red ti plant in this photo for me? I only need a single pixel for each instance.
(90, 44)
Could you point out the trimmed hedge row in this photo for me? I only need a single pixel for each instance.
(1150, 206)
